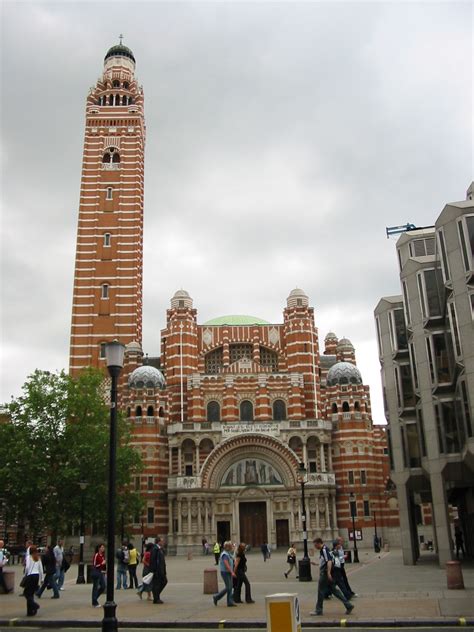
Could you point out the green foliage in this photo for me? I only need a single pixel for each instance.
(57, 438)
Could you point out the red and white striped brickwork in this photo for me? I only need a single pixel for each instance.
(107, 296)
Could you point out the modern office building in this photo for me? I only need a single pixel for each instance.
(426, 346)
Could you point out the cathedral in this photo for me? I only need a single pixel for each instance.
(230, 410)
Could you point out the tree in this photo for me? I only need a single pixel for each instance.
(58, 436)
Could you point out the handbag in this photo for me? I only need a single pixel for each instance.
(291, 559)
(23, 581)
(147, 579)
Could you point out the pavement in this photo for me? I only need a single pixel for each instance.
(389, 593)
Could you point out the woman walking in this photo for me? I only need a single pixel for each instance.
(33, 576)
(98, 574)
(226, 567)
(146, 570)
(291, 559)
(240, 570)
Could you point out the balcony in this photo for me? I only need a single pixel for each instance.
(274, 428)
(184, 482)
(110, 166)
(319, 479)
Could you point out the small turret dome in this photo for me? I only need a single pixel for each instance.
(181, 299)
(297, 297)
(331, 336)
(345, 343)
(343, 373)
(133, 347)
(146, 376)
(119, 50)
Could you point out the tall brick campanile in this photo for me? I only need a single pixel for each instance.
(107, 295)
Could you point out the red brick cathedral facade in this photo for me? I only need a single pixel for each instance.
(237, 403)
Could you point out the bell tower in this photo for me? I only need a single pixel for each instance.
(107, 293)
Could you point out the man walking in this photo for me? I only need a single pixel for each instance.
(326, 583)
(123, 557)
(59, 557)
(226, 567)
(158, 568)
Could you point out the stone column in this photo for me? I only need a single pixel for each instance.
(180, 518)
(441, 518)
(404, 512)
(305, 452)
(190, 523)
(328, 525)
(322, 457)
(198, 466)
(318, 526)
(179, 460)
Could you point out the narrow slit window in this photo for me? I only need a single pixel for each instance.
(105, 290)
(107, 239)
(108, 195)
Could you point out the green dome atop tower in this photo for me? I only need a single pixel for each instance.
(119, 50)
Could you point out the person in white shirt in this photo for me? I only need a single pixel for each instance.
(3, 561)
(59, 555)
(33, 576)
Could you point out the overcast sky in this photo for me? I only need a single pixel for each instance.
(282, 138)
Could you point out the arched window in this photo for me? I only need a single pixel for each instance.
(116, 83)
(214, 361)
(117, 99)
(213, 411)
(107, 239)
(279, 410)
(161, 412)
(334, 409)
(124, 100)
(130, 100)
(126, 85)
(109, 190)
(246, 410)
(188, 449)
(104, 292)
(111, 99)
(357, 406)
(150, 411)
(345, 407)
(138, 411)
(115, 157)
(106, 157)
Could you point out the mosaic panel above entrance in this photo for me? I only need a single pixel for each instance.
(251, 472)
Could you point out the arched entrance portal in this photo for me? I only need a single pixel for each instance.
(253, 522)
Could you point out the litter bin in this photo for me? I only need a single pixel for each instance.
(9, 577)
(89, 568)
(210, 581)
(283, 612)
(348, 556)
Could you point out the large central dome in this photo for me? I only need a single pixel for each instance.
(237, 320)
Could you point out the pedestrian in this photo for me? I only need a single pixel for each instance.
(59, 556)
(342, 557)
(122, 556)
(458, 538)
(226, 567)
(32, 579)
(158, 568)
(49, 568)
(132, 565)
(240, 570)
(98, 574)
(336, 569)
(144, 587)
(217, 551)
(291, 560)
(326, 581)
(3, 562)
(264, 549)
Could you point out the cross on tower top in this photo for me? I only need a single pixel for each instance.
(120, 38)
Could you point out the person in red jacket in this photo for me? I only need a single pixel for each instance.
(98, 574)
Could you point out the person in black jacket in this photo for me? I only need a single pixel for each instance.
(240, 569)
(49, 565)
(158, 568)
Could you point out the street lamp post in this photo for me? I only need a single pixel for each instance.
(80, 572)
(353, 512)
(376, 537)
(304, 565)
(114, 352)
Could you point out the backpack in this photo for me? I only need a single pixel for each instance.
(335, 559)
(126, 556)
(119, 555)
